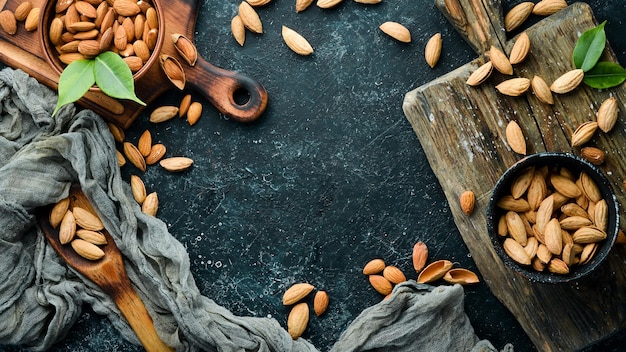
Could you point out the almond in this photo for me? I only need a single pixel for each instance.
(368, 2)
(126, 8)
(516, 251)
(434, 271)
(515, 138)
(396, 31)
(8, 22)
(173, 70)
(574, 222)
(394, 274)
(374, 266)
(607, 114)
(250, 18)
(514, 87)
(117, 132)
(58, 212)
(573, 209)
(22, 10)
(120, 39)
(302, 5)
(134, 156)
(537, 191)
(157, 152)
(184, 105)
(92, 237)
(56, 31)
(32, 20)
(152, 18)
(419, 256)
(134, 63)
(567, 82)
(480, 75)
(531, 246)
(87, 250)
(256, 3)
(467, 202)
(433, 50)
(320, 302)
(150, 205)
(589, 250)
(544, 254)
(593, 155)
(185, 48)
(296, 42)
(517, 15)
(520, 49)
(296, 293)
(144, 145)
(584, 133)
(500, 61)
(588, 234)
(121, 161)
(521, 182)
(138, 188)
(141, 50)
(548, 7)
(238, 30)
(297, 320)
(86, 9)
(327, 4)
(589, 188)
(461, 276)
(558, 266)
(601, 215)
(509, 203)
(565, 186)
(87, 220)
(163, 113)
(516, 227)
(176, 164)
(380, 284)
(194, 112)
(553, 237)
(89, 48)
(67, 229)
(541, 90)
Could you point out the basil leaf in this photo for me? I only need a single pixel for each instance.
(589, 48)
(114, 78)
(75, 81)
(605, 75)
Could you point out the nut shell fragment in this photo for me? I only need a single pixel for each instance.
(434, 271)
(461, 276)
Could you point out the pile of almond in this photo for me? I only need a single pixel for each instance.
(383, 277)
(78, 227)
(553, 219)
(298, 318)
(84, 29)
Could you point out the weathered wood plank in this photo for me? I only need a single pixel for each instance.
(461, 130)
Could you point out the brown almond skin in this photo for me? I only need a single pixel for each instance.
(296, 293)
(374, 266)
(320, 302)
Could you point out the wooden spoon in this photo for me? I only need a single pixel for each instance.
(108, 273)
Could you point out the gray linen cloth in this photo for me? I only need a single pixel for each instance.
(41, 297)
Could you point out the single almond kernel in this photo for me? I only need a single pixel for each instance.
(380, 284)
(480, 75)
(163, 113)
(22, 10)
(92, 237)
(87, 250)
(176, 164)
(419, 256)
(433, 50)
(394, 274)
(584, 133)
(467, 201)
(185, 48)
(296, 42)
(157, 152)
(500, 61)
(593, 155)
(516, 251)
(67, 228)
(396, 31)
(150, 205)
(296, 293)
(320, 302)
(173, 70)
(144, 145)
(32, 20)
(607, 114)
(568, 81)
(297, 320)
(138, 188)
(518, 15)
(548, 7)
(515, 138)
(327, 4)
(541, 90)
(520, 49)
(86, 219)
(250, 18)
(238, 30)
(184, 105)
(8, 22)
(58, 212)
(134, 156)
(194, 112)
(374, 266)
(302, 5)
(514, 87)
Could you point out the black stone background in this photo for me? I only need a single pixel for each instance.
(330, 177)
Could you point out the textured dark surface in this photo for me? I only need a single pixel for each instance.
(330, 177)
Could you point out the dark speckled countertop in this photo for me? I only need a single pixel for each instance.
(330, 177)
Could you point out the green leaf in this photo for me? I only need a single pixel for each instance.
(75, 81)
(114, 77)
(589, 48)
(605, 75)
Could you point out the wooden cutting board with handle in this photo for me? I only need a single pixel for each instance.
(462, 132)
(223, 88)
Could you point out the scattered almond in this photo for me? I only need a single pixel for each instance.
(250, 18)
(480, 75)
(302, 5)
(515, 138)
(548, 7)
(419, 256)
(567, 82)
(500, 61)
(176, 164)
(297, 320)
(380, 284)
(296, 42)
(22, 10)
(296, 293)
(433, 50)
(607, 114)
(138, 188)
(434, 271)
(163, 113)
(134, 156)
(8, 22)
(150, 205)
(374, 266)
(184, 105)
(584, 133)
(514, 87)
(194, 113)
(520, 49)
(467, 201)
(32, 20)
(542, 90)
(144, 144)
(327, 4)
(394, 274)
(396, 31)
(238, 30)
(517, 15)
(320, 302)
(157, 152)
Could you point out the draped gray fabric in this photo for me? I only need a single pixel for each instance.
(41, 297)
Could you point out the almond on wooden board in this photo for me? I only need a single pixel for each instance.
(480, 75)
(22, 10)
(467, 201)
(517, 15)
(515, 137)
(87, 250)
(607, 114)
(593, 155)
(58, 212)
(67, 229)
(8, 22)
(548, 7)
(520, 49)
(86, 219)
(567, 81)
(584, 133)
(542, 90)
(514, 87)
(500, 61)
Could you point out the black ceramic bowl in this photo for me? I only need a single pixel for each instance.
(575, 165)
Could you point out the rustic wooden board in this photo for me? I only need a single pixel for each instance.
(462, 131)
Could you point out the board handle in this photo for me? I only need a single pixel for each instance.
(235, 95)
(480, 22)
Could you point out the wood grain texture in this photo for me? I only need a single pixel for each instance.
(24, 51)
(462, 131)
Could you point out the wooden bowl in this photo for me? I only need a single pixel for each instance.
(52, 57)
(576, 165)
